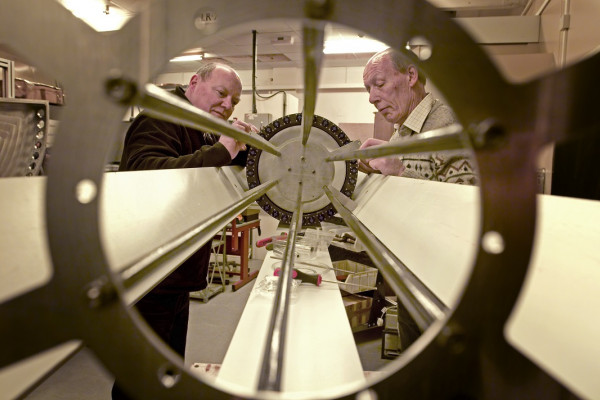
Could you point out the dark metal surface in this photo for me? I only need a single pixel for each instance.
(464, 356)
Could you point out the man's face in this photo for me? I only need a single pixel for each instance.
(218, 95)
(389, 89)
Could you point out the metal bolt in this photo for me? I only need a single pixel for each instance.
(119, 89)
(99, 292)
(93, 293)
(488, 134)
(453, 338)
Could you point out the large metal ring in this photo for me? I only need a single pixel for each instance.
(454, 357)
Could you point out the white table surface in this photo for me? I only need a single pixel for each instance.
(320, 352)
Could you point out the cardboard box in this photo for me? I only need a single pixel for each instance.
(358, 309)
(38, 91)
(361, 277)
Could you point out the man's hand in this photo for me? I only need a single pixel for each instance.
(387, 166)
(232, 145)
(363, 166)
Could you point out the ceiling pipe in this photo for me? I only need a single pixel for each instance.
(565, 22)
(543, 7)
(254, 111)
(527, 7)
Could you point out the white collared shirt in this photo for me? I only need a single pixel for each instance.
(417, 117)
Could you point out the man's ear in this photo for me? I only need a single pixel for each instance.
(413, 75)
(194, 80)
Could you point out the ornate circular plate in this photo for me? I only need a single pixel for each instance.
(300, 165)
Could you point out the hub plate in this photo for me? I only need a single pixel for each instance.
(301, 164)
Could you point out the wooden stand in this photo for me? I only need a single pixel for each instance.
(238, 244)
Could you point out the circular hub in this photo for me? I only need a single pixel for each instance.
(303, 166)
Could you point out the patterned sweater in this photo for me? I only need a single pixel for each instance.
(454, 166)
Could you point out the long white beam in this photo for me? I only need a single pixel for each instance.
(433, 227)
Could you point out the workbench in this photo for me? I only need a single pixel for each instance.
(320, 351)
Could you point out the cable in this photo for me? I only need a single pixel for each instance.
(254, 111)
(272, 95)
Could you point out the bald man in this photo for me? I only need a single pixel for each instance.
(155, 144)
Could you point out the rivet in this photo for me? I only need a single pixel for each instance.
(99, 292)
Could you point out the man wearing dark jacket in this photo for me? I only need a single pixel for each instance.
(154, 144)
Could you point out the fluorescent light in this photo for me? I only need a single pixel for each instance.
(187, 57)
(355, 45)
(93, 13)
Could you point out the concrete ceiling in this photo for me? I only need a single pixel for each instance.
(279, 43)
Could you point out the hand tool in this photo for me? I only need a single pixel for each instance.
(264, 241)
(316, 279)
(345, 237)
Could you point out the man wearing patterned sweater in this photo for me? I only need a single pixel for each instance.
(397, 90)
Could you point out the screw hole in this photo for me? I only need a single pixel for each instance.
(169, 376)
(86, 191)
(492, 242)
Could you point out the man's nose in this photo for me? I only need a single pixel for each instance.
(228, 103)
(373, 97)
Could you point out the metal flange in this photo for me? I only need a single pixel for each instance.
(465, 355)
(297, 164)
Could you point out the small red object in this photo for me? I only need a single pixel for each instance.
(264, 241)
(315, 279)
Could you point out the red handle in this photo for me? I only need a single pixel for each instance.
(315, 279)
(264, 241)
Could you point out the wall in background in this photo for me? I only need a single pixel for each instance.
(343, 99)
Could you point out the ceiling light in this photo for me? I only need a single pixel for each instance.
(187, 58)
(99, 14)
(355, 45)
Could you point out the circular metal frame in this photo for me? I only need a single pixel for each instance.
(467, 356)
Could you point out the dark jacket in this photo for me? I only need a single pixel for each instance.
(154, 144)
